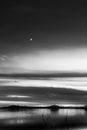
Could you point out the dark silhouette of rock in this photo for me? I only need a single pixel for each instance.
(54, 108)
(15, 107)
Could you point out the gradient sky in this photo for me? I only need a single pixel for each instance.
(43, 35)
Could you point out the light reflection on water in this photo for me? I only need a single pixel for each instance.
(42, 112)
(16, 121)
(71, 112)
(20, 114)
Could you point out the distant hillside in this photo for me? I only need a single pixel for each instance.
(51, 107)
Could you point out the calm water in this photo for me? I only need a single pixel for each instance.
(66, 119)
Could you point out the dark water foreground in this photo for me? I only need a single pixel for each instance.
(43, 119)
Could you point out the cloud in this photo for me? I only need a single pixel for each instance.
(17, 96)
(3, 57)
(68, 60)
(54, 60)
(76, 84)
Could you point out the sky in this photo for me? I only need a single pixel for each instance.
(60, 91)
(43, 36)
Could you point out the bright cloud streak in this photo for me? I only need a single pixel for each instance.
(73, 60)
(20, 103)
(17, 96)
(74, 83)
(47, 60)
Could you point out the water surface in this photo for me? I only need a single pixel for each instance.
(66, 119)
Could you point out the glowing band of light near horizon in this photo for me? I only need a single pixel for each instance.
(67, 60)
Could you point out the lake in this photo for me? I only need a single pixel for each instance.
(65, 119)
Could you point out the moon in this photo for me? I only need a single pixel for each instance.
(31, 39)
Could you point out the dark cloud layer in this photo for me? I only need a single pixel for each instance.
(44, 95)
